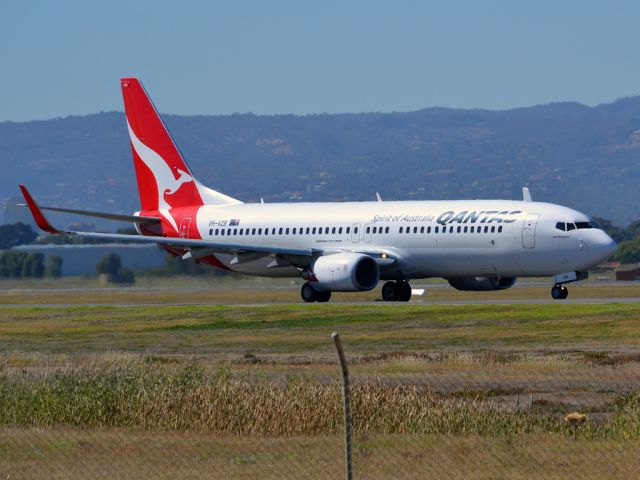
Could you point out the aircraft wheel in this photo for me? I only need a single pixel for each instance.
(404, 291)
(559, 292)
(323, 296)
(564, 292)
(308, 293)
(389, 292)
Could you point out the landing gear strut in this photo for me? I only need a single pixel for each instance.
(396, 291)
(310, 294)
(559, 292)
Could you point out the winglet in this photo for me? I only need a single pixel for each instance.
(526, 194)
(38, 216)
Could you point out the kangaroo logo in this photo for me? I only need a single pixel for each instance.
(166, 181)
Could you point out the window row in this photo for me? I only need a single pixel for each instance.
(283, 231)
(347, 230)
(452, 229)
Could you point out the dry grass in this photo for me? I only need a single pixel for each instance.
(112, 453)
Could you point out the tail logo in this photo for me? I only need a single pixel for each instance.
(167, 182)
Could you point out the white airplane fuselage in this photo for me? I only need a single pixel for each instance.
(439, 238)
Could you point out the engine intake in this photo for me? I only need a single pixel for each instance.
(481, 284)
(345, 272)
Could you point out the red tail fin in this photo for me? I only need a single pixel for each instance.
(164, 179)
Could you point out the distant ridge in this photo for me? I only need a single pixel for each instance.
(584, 157)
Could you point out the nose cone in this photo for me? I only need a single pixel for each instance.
(602, 247)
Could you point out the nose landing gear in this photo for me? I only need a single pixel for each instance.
(559, 292)
(396, 291)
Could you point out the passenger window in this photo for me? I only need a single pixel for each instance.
(210, 231)
(500, 229)
(493, 229)
(450, 229)
(421, 229)
(259, 231)
(437, 230)
(340, 230)
(326, 231)
(368, 229)
(314, 230)
(273, 231)
(333, 230)
(217, 231)
(355, 230)
(235, 231)
(486, 229)
(471, 230)
(400, 229)
(459, 229)
(294, 232)
(228, 231)
(241, 231)
(415, 229)
(375, 229)
(386, 230)
(348, 229)
(428, 230)
(222, 232)
(465, 229)
(286, 231)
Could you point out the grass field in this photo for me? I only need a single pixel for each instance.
(440, 391)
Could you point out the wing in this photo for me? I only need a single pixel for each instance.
(196, 248)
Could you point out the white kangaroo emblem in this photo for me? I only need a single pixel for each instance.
(166, 182)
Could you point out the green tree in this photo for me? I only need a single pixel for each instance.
(16, 234)
(109, 264)
(628, 251)
(32, 265)
(53, 267)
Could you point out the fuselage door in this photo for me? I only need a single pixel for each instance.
(529, 230)
(185, 223)
(355, 233)
(366, 232)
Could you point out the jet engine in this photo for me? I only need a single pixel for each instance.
(345, 272)
(481, 284)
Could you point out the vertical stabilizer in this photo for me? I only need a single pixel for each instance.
(164, 178)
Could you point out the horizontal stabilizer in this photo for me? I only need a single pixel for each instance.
(108, 216)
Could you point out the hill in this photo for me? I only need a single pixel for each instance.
(584, 157)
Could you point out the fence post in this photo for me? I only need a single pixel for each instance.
(347, 404)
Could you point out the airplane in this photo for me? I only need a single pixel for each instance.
(476, 245)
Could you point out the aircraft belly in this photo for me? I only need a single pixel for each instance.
(258, 267)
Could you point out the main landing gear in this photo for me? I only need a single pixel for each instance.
(559, 292)
(396, 291)
(310, 294)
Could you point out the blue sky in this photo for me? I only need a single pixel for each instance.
(216, 57)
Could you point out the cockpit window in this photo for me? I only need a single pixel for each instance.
(589, 224)
(567, 227)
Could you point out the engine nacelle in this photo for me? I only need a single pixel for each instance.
(481, 284)
(345, 272)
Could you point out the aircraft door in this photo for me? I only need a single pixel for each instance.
(185, 223)
(529, 230)
(355, 233)
(366, 232)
